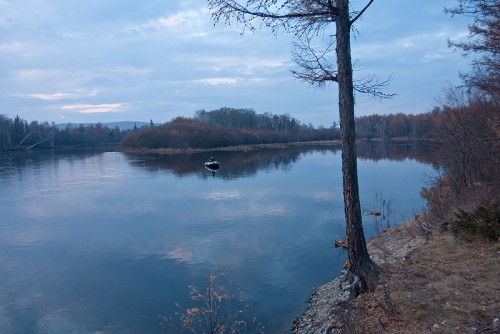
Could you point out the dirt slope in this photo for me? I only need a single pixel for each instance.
(430, 283)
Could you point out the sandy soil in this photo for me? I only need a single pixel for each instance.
(430, 283)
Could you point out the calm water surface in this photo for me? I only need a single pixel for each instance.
(107, 242)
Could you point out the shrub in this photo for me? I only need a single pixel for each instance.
(217, 311)
(483, 223)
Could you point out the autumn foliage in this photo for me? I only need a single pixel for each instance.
(225, 127)
(469, 128)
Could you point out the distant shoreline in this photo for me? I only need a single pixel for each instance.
(189, 150)
(245, 148)
(253, 147)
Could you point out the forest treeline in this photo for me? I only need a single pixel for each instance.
(17, 133)
(420, 126)
(224, 127)
(232, 126)
(227, 127)
(221, 127)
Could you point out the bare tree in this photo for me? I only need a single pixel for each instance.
(483, 44)
(307, 20)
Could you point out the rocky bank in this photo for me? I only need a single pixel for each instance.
(431, 282)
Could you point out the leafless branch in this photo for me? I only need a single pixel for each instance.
(315, 66)
(361, 12)
(373, 86)
(305, 17)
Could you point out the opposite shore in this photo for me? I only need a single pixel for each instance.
(253, 147)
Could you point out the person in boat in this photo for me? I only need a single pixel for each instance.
(212, 159)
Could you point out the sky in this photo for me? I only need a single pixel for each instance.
(127, 60)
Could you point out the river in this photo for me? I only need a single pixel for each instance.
(107, 242)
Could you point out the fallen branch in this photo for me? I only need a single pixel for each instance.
(41, 141)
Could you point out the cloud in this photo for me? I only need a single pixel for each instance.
(37, 74)
(94, 108)
(177, 20)
(396, 53)
(247, 64)
(218, 81)
(438, 54)
(422, 40)
(11, 47)
(53, 96)
(169, 56)
(60, 95)
(187, 23)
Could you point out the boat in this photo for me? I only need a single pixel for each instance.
(212, 164)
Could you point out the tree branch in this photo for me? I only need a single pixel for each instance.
(316, 67)
(373, 86)
(360, 13)
(307, 16)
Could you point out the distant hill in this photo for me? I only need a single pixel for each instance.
(123, 125)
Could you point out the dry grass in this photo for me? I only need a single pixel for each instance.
(445, 286)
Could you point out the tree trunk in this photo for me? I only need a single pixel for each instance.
(360, 263)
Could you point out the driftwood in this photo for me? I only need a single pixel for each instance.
(41, 141)
(29, 134)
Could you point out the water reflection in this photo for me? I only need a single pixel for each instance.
(106, 242)
(26, 162)
(238, 164)
(234, 164)
(424, 152)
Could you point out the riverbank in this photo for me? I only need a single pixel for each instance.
(430, 282)
(254, 147)
(104, 146)
(244, 148)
